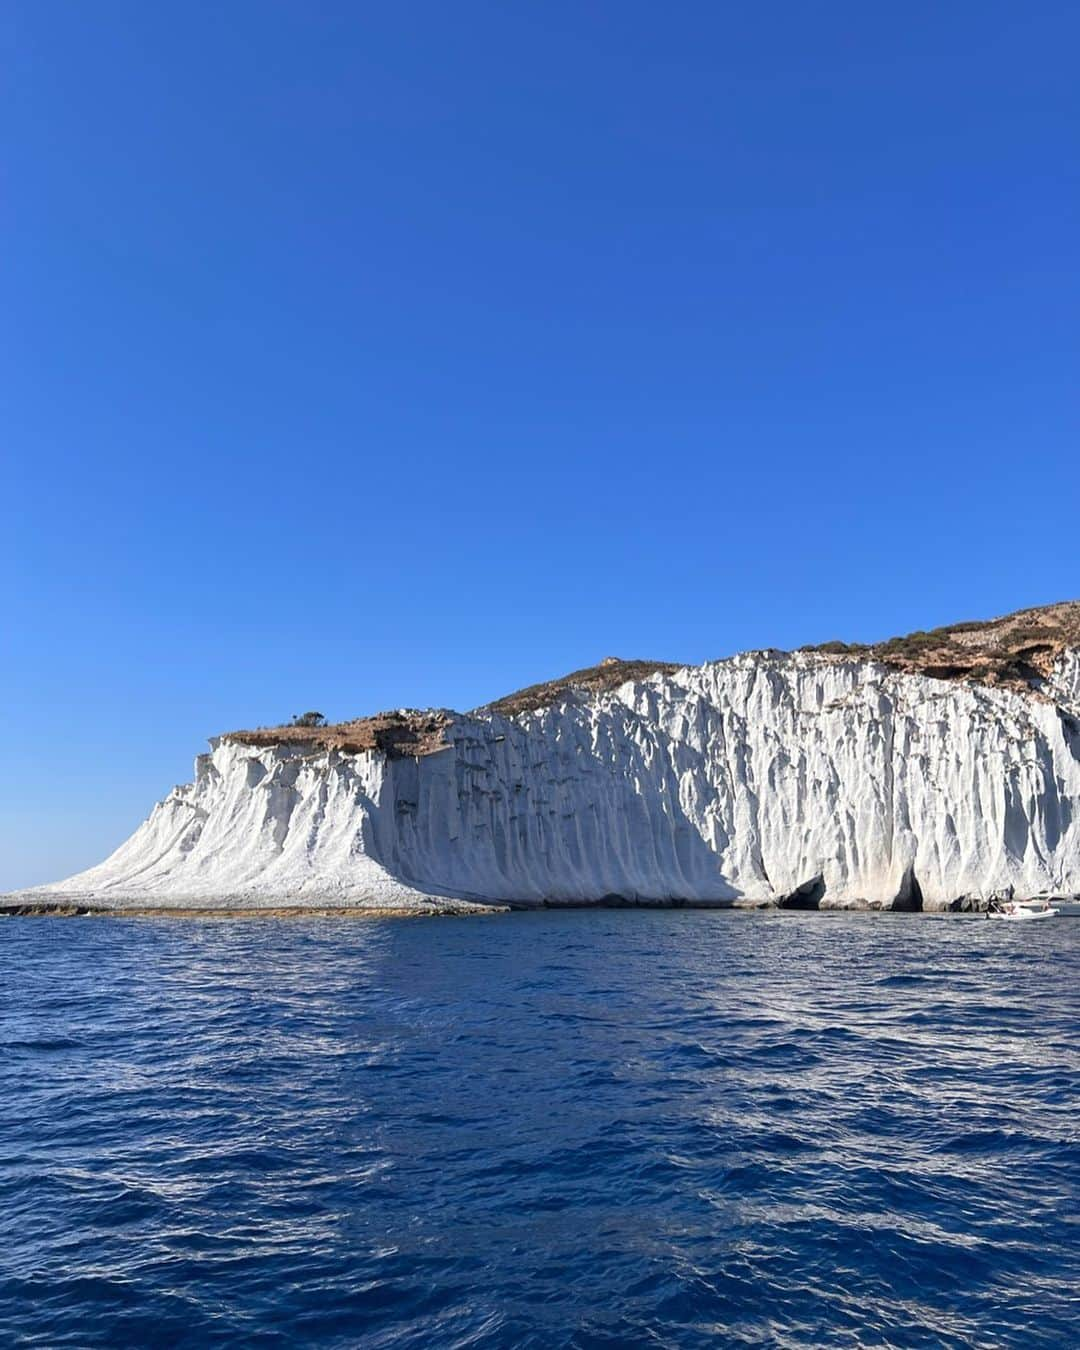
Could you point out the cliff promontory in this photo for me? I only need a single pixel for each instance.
(935, 771)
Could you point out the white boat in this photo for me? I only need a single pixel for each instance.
(1020, 913)
(1067, 908)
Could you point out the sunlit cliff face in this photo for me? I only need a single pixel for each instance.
(808, 778)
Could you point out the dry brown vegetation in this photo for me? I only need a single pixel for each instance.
(609, 674)
(413, 731)
(1016, 650)
(407, 731)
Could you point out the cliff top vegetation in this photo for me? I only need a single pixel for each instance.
(1015, 650)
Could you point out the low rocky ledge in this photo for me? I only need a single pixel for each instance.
(405, 731)
(50, 908)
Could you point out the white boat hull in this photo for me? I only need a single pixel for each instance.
(1067, 908)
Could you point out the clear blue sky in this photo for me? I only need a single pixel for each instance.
(361, 355)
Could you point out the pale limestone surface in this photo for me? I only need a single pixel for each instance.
(734, 782)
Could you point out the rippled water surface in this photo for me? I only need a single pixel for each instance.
(582, 1129)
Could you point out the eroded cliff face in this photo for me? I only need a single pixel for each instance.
(804, 779)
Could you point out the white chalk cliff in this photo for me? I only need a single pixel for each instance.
(811, 778)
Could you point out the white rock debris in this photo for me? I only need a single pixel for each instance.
(766, 778)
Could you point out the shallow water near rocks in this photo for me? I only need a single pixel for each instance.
(605, 1128)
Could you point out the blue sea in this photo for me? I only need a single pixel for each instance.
(603, 1128)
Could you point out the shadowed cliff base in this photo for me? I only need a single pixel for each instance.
(807, 896)
(909, 898)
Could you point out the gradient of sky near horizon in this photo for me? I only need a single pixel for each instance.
(367, 355)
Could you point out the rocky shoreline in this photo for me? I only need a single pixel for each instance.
(52, 908)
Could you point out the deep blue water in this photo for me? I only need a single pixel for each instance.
(613, 1128)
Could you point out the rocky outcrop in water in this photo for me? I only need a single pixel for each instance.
(821, 778)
